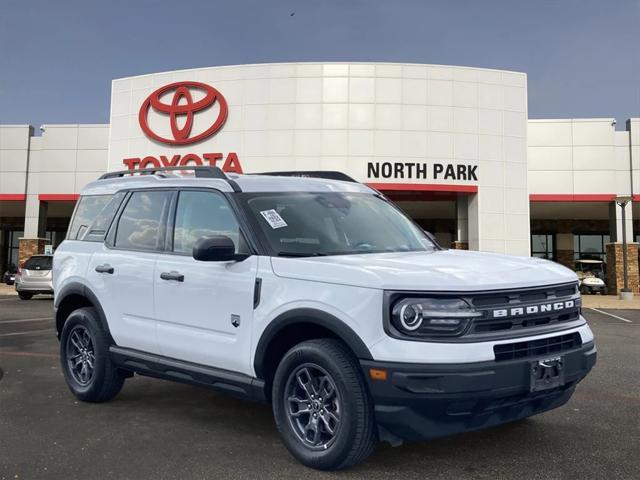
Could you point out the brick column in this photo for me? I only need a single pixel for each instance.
(460, 245)
(29, 247)
(564, 250)
(615, 275)
(565, 257)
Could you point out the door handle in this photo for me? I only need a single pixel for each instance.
(172, 276)
(106, 268)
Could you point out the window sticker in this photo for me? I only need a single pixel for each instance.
(273, 219)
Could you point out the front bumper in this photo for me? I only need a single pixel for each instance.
(420, 401)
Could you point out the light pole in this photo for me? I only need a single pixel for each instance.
(622, 201)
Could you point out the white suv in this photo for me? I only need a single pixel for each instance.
(312, 292)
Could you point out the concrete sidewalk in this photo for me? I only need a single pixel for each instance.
(7, 289)
(610, 302)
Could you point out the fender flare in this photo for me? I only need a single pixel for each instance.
(76, 288)
(308, 315)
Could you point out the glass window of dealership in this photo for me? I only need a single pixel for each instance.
(452, 146)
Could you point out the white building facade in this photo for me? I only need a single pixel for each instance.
(451, 145)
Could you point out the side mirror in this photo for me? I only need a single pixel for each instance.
(217, 248)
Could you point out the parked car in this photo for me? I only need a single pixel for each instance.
(34, 277)
(591, 276)
(316, 295)
(9, 276)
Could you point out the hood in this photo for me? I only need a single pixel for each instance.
(440, 270)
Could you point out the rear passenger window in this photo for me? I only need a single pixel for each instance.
(204, 214)
(141, 224)
(86, 212)
(99, 227)
(38, 263)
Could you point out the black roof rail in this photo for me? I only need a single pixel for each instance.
(199, 172)
(328, 175)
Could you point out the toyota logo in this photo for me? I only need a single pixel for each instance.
(182, 105)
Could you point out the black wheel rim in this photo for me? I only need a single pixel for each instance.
(313, 406)
(80, 355)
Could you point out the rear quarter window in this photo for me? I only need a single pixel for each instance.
(100, 225)
(93, 216)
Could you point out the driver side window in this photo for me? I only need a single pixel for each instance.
(204, 214)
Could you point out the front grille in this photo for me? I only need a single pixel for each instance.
(524, 296)
(486, 325)
(511, 301)
(537, 348)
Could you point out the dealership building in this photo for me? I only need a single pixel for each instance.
(452, 146)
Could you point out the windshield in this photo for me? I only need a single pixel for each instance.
(333, 223)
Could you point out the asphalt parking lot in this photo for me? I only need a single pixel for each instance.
(162, 430)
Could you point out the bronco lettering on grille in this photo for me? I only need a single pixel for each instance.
(533, 309)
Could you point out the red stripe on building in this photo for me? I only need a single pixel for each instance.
(58, 197)
(424, 187)
(13, 197)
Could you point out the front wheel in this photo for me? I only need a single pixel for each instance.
(25, 295)
(322, 406)
(84, 354)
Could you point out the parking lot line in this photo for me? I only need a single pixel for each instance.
(611, 315)
(31, 332)
(25, 320)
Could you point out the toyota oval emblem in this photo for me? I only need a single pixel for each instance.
(182, 105)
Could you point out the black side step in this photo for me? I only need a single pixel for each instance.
(157, 366)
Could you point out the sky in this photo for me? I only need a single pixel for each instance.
(57, 58)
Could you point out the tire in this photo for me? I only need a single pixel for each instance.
(25, 295)
(84, 340)
(333, 372)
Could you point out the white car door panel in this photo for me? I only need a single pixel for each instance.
(204, 309)
(126, 295)
(197, 316)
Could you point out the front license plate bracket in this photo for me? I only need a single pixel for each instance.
(546, 374)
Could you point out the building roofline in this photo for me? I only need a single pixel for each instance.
(268, 64)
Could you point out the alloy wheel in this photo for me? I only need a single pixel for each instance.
(313, 406)
(81, 355)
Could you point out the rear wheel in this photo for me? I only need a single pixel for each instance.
(25, 295)
(84, 354)
(322, 406)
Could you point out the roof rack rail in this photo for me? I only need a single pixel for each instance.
(328, 175)
(199, 171)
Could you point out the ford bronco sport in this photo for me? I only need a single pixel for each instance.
(312, 292)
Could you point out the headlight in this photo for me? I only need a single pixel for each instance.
(432, 317)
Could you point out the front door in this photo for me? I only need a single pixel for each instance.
(204, 309)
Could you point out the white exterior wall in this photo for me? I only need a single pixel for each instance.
(70, 156)
(55, 165)
(570, 159)
(14, 157)
(339, 116)
(579, 157)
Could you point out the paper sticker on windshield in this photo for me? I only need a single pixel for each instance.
(273, 218)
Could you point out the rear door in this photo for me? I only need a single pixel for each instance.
(121, 272)
(204, 309)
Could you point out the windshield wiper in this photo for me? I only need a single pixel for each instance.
(300, 254)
